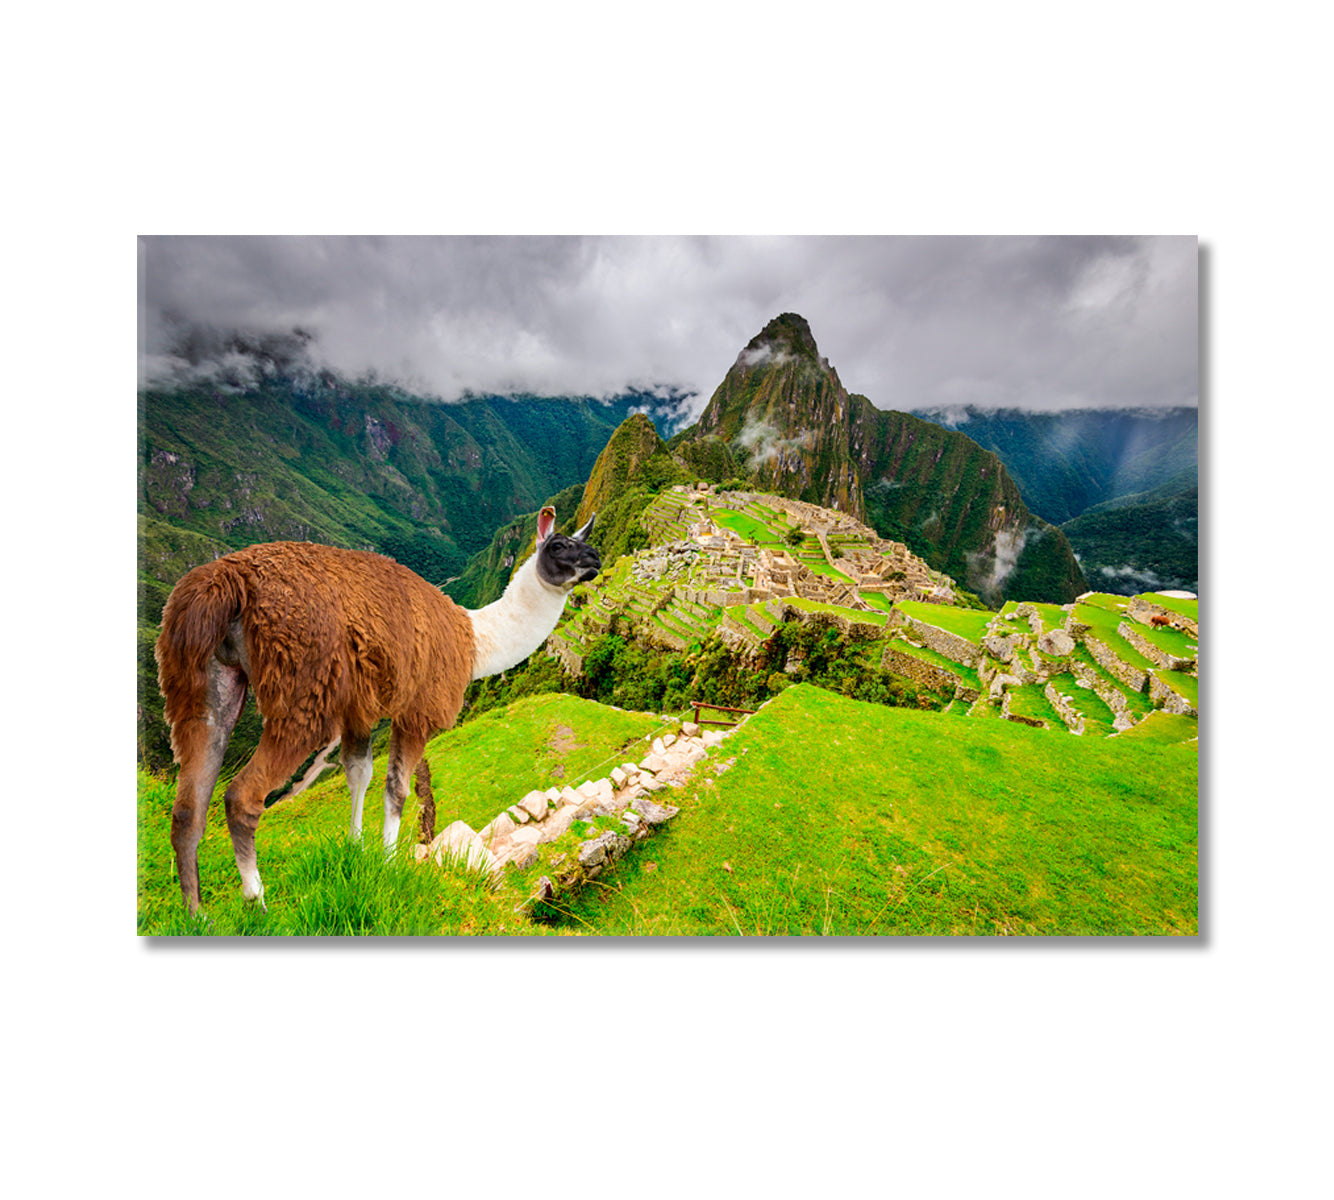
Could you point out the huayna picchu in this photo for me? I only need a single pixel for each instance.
(786, 417)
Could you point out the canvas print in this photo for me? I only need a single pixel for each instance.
(668, 586)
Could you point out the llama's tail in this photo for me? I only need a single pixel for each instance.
(194, 622)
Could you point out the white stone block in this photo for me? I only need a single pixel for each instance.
(501, 827)
(535, 805)
(459, 841)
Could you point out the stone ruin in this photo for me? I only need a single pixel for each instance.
(513, 836)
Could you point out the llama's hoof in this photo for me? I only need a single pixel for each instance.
(255, 901)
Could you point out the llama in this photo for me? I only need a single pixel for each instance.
(332, 641)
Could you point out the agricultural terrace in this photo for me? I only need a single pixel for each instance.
(967, 623)
(1176, 604)
(679, 594)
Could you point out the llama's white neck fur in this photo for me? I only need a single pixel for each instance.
(510, 629)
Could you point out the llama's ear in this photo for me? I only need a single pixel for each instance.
(546, 522)
(581, 535)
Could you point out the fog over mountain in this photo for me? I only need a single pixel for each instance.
(913, 322)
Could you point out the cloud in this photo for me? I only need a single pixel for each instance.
(987, 573)
(763, 353)
(910, 322)
(1140, 578)
(763, 443)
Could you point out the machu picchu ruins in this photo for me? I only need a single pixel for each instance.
(739, 564)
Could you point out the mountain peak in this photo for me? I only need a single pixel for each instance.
(787, 335)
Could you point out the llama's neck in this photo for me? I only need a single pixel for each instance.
(509, 630)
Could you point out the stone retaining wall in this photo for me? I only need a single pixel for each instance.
(1106, 658)
(513, 837)
(1159, 658)
(951, 645)
(1144, 611)
(1171, 700)
(1074, 720)
(568, 657)
(923, 674)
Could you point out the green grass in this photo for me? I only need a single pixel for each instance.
(877, 600)
(965, 827)
(1031, 701)
(967, 623)
(1053, 615)
(738, 613)
(1138, 703)
(968, 675)
(1104, 622)
(1186, 608)
(968, 827)
(855, 614)
(821, 567)
(1163, 728)
(477, 770)
(1183, 684)
(1172, 641)
(1107, 601)
(1099, 719)
(747, 527)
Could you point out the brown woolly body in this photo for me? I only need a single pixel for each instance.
(331, 641)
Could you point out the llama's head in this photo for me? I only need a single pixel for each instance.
(564, 561)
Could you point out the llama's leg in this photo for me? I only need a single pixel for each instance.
(426, 797)
(357, 766)
(273, 762)
(200, 744)
(405, 751)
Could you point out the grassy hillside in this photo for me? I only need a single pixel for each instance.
(800, 822)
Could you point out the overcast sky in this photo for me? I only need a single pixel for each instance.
(910, 322)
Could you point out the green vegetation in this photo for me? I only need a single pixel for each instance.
(1164, 728)
(1104, 622)
(1137, 703)
(966, 675)
(1184, 685)
(1185, 608)
(1169, 640)
(1066, 463)
(821, 567)
(1031, 701)
(1155, 542)
(748, 527)
(317, 882)
(968, 827)
(965, 622)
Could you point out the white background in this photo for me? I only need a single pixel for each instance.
(1058, 1069)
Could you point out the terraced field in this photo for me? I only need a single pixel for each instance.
(1070, 668)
